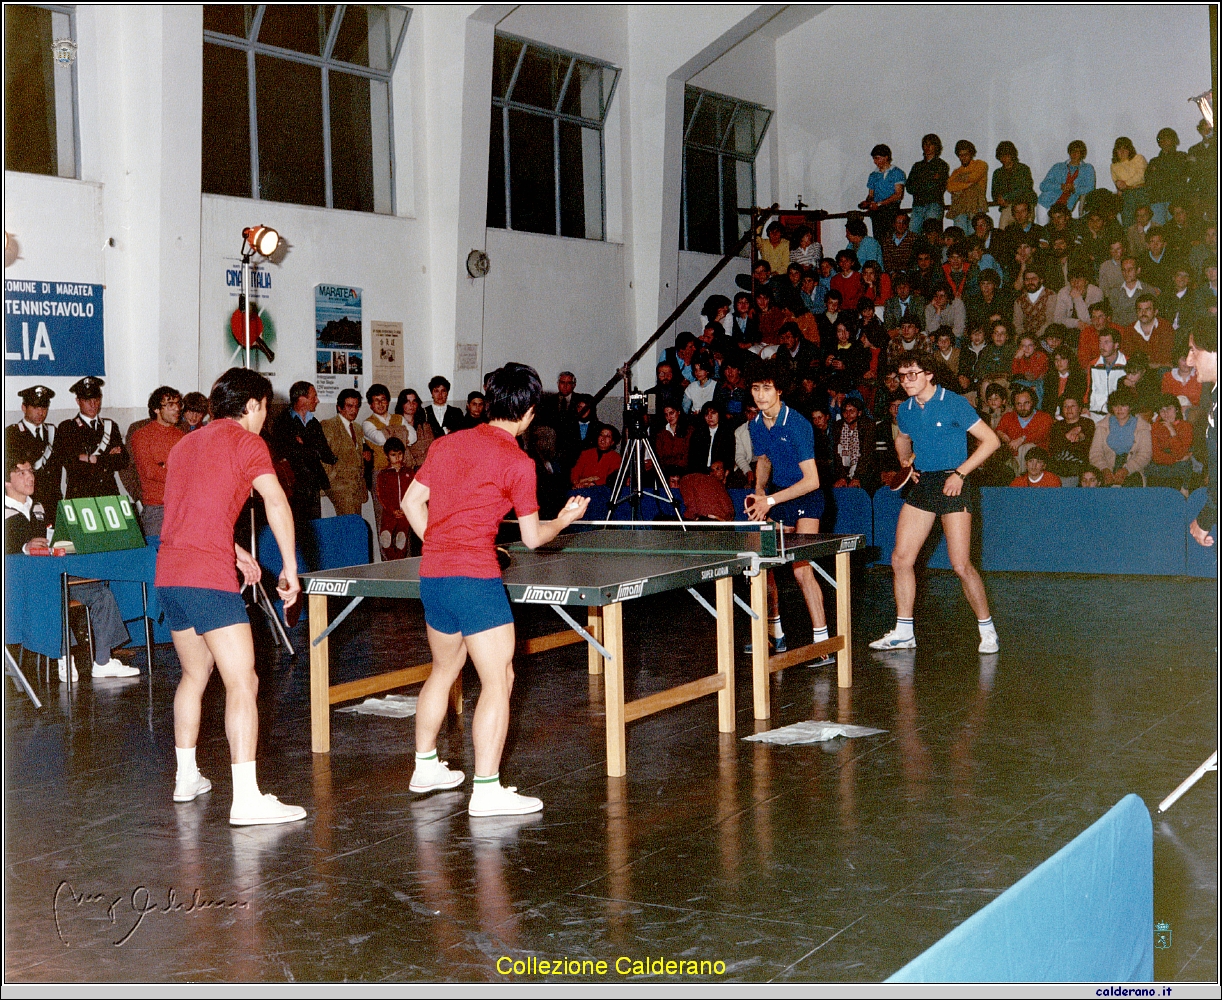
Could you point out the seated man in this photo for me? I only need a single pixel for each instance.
(711, 440)
(1150, 335)
(1069, 442)
(25, 531)
(902, 302)
(1037, 462)
(704, 494)
(1106, 373)
(1024, 428)
(1122, 447)
(853, 447)
(1088, 336)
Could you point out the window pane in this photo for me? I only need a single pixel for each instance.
(748, 130)
(496, 171)
(532, 173)
(504, 58)
(690, 99)
(581, 185)
(229, 18)
(360, 144)
(702, 220)
(297, 26)
(711, 122)
(737, 193)
(540, 79)
(226, 131)
(584, 97)
(368, 36)
(29, 92)
(289, 99)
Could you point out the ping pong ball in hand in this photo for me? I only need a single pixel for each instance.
(572, 504)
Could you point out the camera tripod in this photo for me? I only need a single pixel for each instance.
(629, 484)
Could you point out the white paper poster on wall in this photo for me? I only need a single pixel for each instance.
(387, 359)
(339, 360)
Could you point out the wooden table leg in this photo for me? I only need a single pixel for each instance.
(613, 640)
(595, 628)
(844, 622)
(320, 677)
(760, 680)
(725, 654)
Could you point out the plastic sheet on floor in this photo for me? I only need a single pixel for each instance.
(813, 732)
(393, 706)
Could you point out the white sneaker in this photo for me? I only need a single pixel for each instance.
(433, 775)
(988, 642)
(265, 810)
(495, 800)
(63, 670)
(189, 789)
(113, 668)
(893, 640)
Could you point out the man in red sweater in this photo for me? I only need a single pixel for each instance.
(1024, 428)
(1088, 336)
(1037, 462)
(150, 446)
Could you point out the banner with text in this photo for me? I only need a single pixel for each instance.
(337, 340)
(53, 328)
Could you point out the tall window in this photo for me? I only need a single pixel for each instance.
(40, 89)
(297, 103)
(545, 152)
(721, 136)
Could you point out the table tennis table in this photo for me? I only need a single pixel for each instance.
(600, 570)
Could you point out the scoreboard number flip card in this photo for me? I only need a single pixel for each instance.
(100, 524)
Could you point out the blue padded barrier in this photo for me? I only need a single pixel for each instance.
(340, 541)
(1070, 530)
(1084, 915)
(738, 497)
(269, 553)
(1199, 561)
(854, 513)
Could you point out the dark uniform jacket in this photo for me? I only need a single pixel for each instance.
(17, 437)
(76, 437)
(18, 529)
(305, 448)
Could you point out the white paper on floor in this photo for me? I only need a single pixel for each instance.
(813, 732)
(393, 706)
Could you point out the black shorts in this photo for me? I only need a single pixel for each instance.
(788, 512)
(926, 494)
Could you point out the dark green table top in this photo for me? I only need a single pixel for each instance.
(594, 568)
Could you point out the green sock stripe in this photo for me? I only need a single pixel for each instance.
(431, 755)
(488, 781)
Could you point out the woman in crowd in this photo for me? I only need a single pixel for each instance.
(671, 441)
(1063, 380)
(1029, 366)
(847, 281)
(595, 465)
(416, 431)
(875, 286)
(1129, 176)
(1171, 438)
(1069, 442)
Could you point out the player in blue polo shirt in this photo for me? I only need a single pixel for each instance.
(784, 445)
(934, 424)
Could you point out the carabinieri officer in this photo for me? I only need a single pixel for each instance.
(934, 424)
(468, 482)
(784, 445)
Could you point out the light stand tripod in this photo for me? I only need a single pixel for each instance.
(637, 454)
(258, 593)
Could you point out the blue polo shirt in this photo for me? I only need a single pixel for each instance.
(938, 429)
(785, 444)
(883, 185)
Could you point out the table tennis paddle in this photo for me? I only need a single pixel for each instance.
(503, 557)
(901, 478)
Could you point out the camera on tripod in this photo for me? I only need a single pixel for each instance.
(636, 413)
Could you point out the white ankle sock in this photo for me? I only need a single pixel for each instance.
(903, 626)
(487, 784)
(821, 634)
(245, 786)
(986, 626)
(426, 759)
(187, 768)
(774, 627)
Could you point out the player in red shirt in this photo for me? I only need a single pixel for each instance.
(467, 484)
(209, 475)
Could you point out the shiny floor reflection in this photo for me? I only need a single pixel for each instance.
(833, 862)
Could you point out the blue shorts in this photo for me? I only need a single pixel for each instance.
(788, 512)
(466, 604)
(201, 608)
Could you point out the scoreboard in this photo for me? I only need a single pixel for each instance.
(99, 524)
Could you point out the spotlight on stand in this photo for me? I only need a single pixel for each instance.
(1205, 104)
(262, 240)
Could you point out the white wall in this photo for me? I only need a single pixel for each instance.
(692, 268)
(1039, 76)
(556, 304)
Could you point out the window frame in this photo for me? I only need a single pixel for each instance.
(722, 151)
(505, 105)
(325, 63)
(68, 10)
